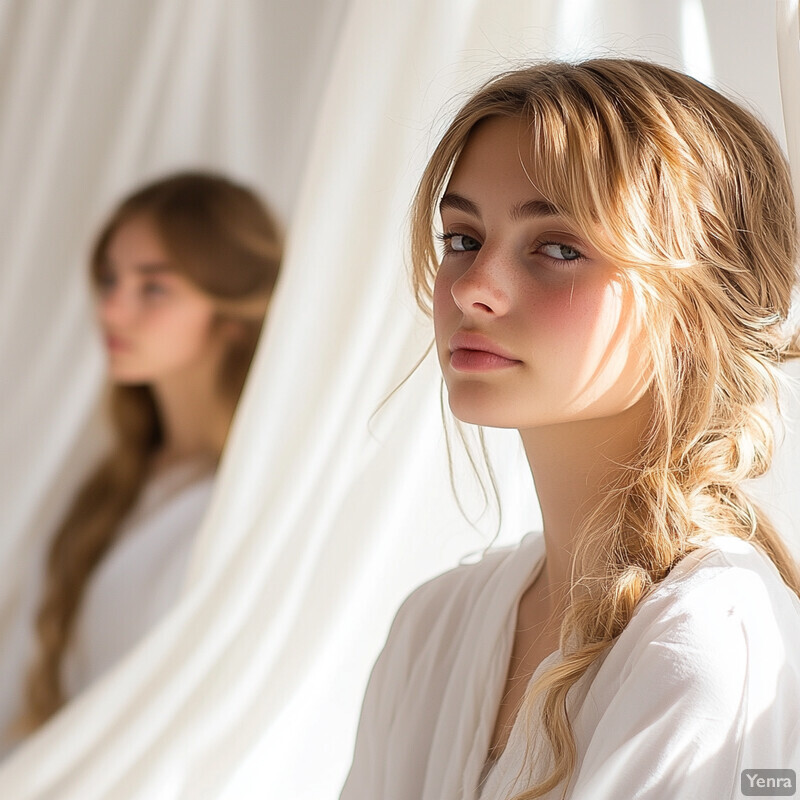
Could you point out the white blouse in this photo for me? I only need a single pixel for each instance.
(141, 576)
(703, 683)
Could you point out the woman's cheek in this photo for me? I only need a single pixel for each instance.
(558, 303)
(572, 317)
(443, 303)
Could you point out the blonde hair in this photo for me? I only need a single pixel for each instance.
(691, 196)
(223, 238)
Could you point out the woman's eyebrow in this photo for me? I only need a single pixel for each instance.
(153, 269)
(532, 208)
(148, 268)
(459, 203)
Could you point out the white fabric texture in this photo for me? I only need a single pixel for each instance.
(323, 517)
(703, 682)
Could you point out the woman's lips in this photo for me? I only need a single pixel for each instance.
(478, 360)
(474, 352)
(116, 344)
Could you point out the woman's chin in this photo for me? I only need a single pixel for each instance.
(122, 378)
(483, 414)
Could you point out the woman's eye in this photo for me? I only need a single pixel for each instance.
(105, 281)
(153, 288)
(560, 252)
(460, 242)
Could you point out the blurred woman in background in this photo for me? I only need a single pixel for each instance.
(182, 273)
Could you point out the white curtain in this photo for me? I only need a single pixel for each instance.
(94, 98)
(324, 516)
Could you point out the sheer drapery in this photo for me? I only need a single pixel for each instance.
(94, 98)
(325, 513)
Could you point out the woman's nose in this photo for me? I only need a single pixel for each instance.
(483, 287)
(115, 305)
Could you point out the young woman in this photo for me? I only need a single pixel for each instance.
(182, 271)
(619, 253)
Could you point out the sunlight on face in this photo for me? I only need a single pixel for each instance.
(532, 324)
(156, 323)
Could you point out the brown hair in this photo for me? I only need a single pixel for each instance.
(691, 196)
(223, 238)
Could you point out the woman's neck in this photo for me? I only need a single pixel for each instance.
(572, 466)
(195, 419)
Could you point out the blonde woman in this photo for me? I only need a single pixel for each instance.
(182, 274)
(618, 253)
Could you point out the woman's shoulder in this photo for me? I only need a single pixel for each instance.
(447, 618)
(439, 608)
(721, 606)
(712, 652)
(460, 587)
(729, 577)
(697, 686)
(181, 488)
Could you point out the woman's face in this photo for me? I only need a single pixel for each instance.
(156, 323)
(532, 324)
